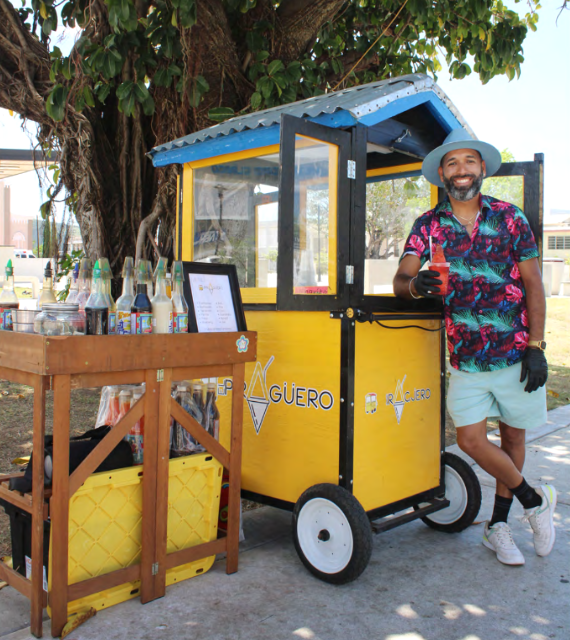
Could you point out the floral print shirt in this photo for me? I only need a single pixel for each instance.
(485, 306)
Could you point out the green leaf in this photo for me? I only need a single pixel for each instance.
(255, 100)
(88, 96)
(55, 104)
(102, 90)
(219, 114)
(125, 10)
(261, 56)
(265, 86)
(141, 92)
(197, 90)
(274, 67)
(148, 106)
(124, 89)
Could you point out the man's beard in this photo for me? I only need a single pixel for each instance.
(464, 193)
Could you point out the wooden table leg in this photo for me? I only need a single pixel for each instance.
(60, 504)
(162, 470)
(38, 507)
(234, 497)
(148, 537)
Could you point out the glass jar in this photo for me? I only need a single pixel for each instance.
(60, 319)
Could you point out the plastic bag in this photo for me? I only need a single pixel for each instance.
(181, 442)
(109, 408)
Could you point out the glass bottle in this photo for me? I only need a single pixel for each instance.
(84, 283)
(181, 442)
(180, 306)
(74, 286)
(8, 299)
(141, 309)
(161, 305)
(125, 302)
(149, 278)
(47, 294)
(144, 274)
(212, 421)
(106, 277)
(198, 397)
(136, 435)
(96, 307)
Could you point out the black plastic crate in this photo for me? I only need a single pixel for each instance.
(21, 535)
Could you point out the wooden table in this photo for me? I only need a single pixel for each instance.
(76, 362)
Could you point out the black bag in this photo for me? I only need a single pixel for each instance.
(79, 448)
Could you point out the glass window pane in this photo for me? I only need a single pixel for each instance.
(551, 242)
(235, 217)
(506, 188)
(315, 224)
(391, 208)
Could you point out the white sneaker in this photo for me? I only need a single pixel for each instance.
(499, 539)
(541, 520)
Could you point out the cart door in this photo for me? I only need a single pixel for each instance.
(313, 216)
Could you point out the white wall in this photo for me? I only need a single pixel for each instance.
(22, 266)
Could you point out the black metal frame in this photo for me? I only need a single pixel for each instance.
(180, 206)
(286, 299)
(533, 192)
(228, 270)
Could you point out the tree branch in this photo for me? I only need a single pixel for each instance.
(300, 21)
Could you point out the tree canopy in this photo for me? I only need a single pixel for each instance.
(144, 72)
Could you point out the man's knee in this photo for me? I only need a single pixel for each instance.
(470, 442)
(511, 438)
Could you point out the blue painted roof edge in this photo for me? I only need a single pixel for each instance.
(434, 98)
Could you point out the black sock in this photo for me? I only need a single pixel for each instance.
(501, 510)
(526, 495)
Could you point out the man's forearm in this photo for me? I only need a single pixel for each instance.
(536, 308)
(402, 286)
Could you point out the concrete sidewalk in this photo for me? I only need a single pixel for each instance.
(419, 585)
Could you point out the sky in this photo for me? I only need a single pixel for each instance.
(527, 116)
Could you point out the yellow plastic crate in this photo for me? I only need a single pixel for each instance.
(105, 525)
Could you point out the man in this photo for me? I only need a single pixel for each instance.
(494, 317)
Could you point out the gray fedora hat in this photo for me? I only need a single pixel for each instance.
(460, 139)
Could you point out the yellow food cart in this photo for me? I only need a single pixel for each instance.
(345, 406)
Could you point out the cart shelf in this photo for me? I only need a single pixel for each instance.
(65, 363)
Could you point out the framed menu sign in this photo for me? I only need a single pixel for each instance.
(213, 296)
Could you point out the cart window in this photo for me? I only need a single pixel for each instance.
(507, 188)
(315, 221)
(235, 217)
(392, 205)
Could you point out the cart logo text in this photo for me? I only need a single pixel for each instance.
(259, 396)
(400, 398)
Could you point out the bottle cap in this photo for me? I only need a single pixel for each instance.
(105, 269)
(128, 267)
(76, 271)
(9, 268)
(177, 271)
(96, 271)
(85, 269)
(161, 266)
(48, 273)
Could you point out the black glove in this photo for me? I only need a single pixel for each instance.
(426, 281)
(534, 364)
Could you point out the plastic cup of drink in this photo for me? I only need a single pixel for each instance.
(442, 269)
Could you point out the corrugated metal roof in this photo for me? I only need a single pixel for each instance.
(357, 101)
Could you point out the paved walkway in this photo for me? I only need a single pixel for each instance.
(420, 584)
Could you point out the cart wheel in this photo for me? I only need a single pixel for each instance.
(463, 491)
(332, 533)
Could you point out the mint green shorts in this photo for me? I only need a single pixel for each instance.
(472, 397)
